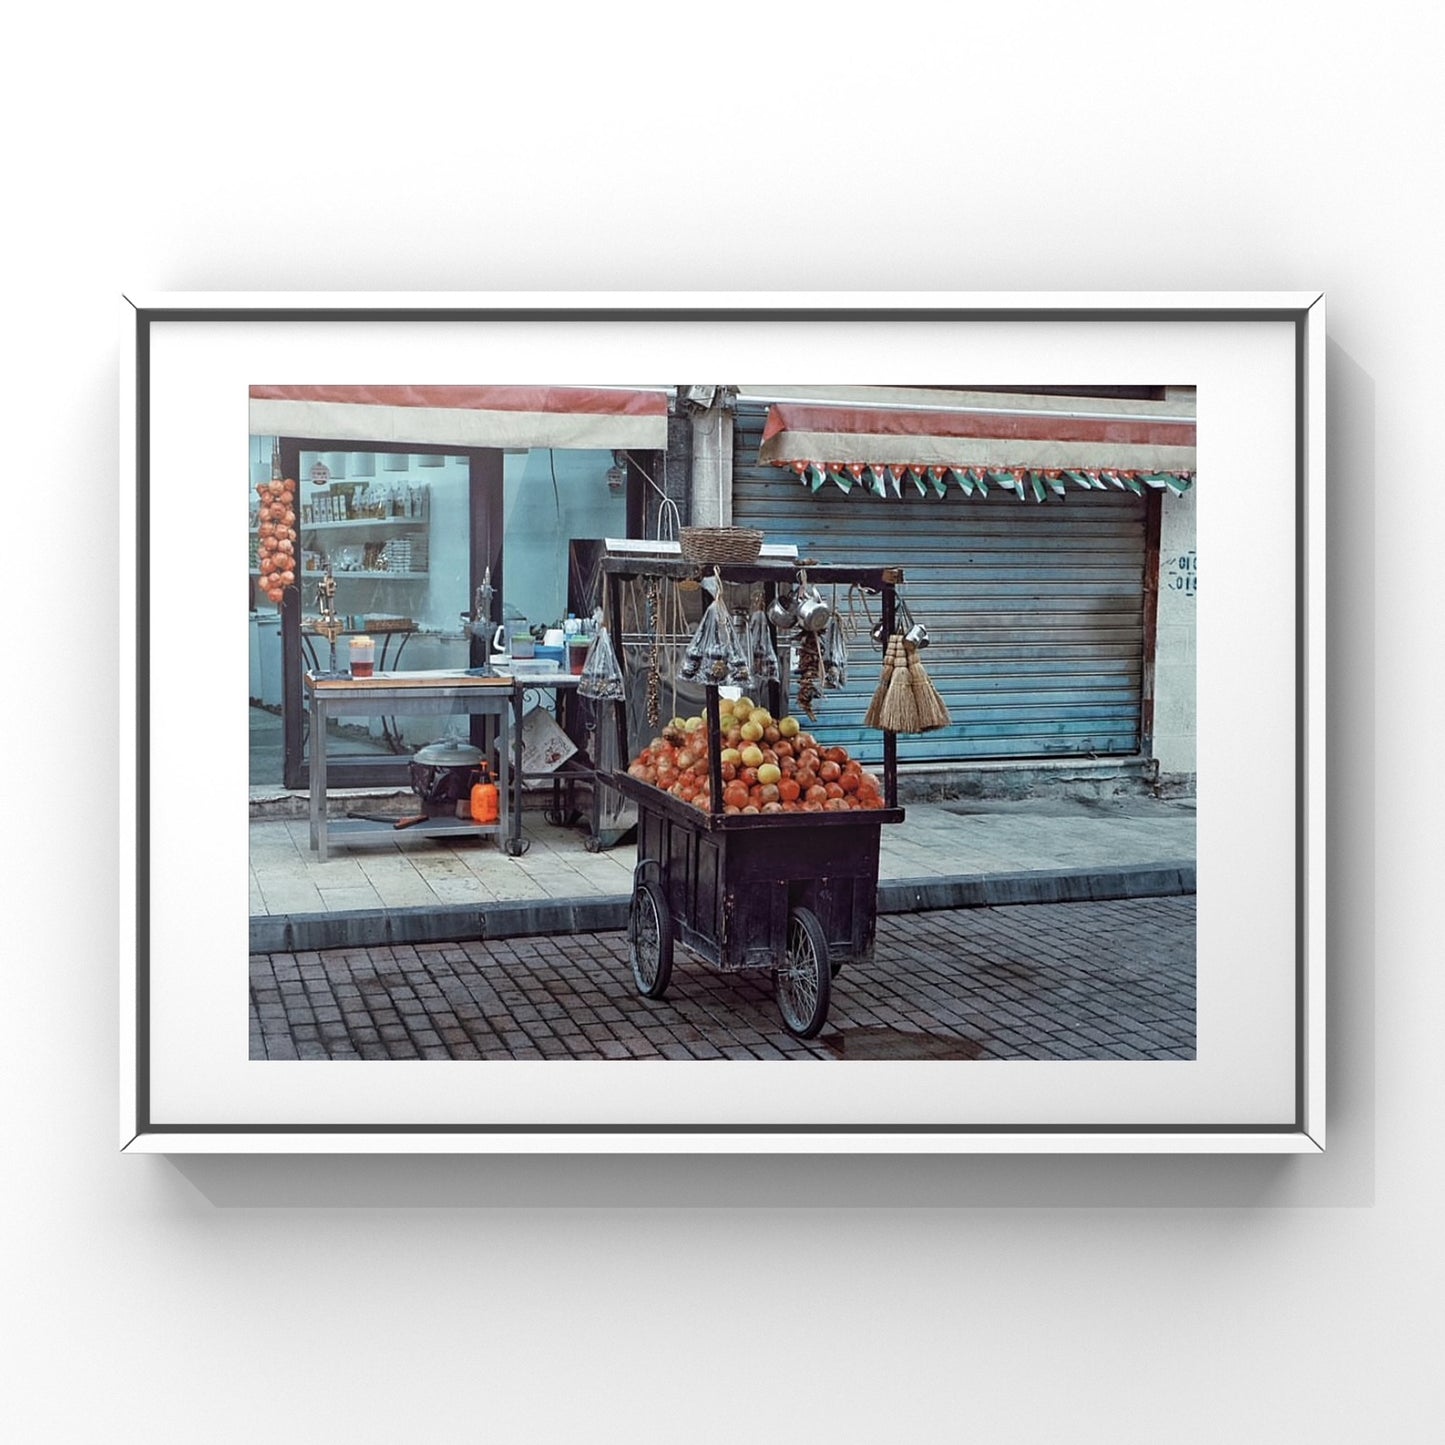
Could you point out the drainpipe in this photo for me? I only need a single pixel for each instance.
(712, 455)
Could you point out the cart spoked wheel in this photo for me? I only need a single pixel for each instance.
(649, 937)
(804, 981)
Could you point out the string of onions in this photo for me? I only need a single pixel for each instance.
(276, 529)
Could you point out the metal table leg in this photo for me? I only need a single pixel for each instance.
(318, 776)
(512, 791)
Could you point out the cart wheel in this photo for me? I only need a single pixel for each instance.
(553, 817)
(592, 843)
(649, 937)
(517, 846)
(804, 982)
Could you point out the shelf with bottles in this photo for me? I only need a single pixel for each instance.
(403, 555)
(354, 503)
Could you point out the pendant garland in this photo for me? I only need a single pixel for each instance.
(1026, 483)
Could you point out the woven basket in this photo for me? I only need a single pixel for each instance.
(721, 544)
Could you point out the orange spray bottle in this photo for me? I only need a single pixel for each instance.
(486, 801)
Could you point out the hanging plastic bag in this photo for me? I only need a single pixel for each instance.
(601, 676)
(705, 648)
(739, 665)
(715, 653)
(762, 655)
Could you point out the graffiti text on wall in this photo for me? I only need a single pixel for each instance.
(1182, 574)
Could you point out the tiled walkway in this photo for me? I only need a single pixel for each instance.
(936, 840)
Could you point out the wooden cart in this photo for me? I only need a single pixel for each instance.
(795, 894)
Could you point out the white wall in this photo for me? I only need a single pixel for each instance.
(849, 1300)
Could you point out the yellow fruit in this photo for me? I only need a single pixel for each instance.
(768, 772)
(789, 726)
(751, 730)
(752, 755)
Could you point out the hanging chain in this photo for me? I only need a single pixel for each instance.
(654, 654)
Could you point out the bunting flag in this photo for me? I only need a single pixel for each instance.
(1035, 447)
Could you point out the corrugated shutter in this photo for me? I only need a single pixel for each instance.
(1034, 611)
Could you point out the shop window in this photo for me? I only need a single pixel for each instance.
(551, 496)
(394, 530)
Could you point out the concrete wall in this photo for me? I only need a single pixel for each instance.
(1174, 671)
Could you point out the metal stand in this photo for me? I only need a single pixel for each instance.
(329, 625)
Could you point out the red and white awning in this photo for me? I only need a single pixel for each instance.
(1033, 445)
(600, 418)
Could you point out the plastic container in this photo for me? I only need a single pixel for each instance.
(486, 799)
(363, 656)
(577, 650)
(557, 656)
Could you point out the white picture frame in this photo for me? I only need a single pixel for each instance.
(1257, 1084)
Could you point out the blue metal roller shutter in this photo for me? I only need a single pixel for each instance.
(1035, 611)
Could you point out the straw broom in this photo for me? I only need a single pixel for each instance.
(892, 655)
(899, 713)
(931, 710)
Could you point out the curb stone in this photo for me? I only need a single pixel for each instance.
(369, 928)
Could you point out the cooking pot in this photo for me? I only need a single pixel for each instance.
(813, 612)
(448, 753)
(442, 774)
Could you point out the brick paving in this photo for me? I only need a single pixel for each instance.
(1103, 980)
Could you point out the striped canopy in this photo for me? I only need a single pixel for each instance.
(1036, 446)
(601, 418)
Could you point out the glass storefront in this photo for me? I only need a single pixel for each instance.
(397, 533)
(549, 497)
(394, 529)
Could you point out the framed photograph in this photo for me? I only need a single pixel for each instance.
(912, 791)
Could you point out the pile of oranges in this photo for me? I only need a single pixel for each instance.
(768, 765)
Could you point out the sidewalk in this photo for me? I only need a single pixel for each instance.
(944, 855)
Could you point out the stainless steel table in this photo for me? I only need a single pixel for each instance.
(409, 694)
(578, 770)
(536, 680)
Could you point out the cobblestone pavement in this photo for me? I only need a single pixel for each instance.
(1109, 980)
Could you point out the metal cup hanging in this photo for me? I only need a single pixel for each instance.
(913, 631)
(813, 612)
(782, 612)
